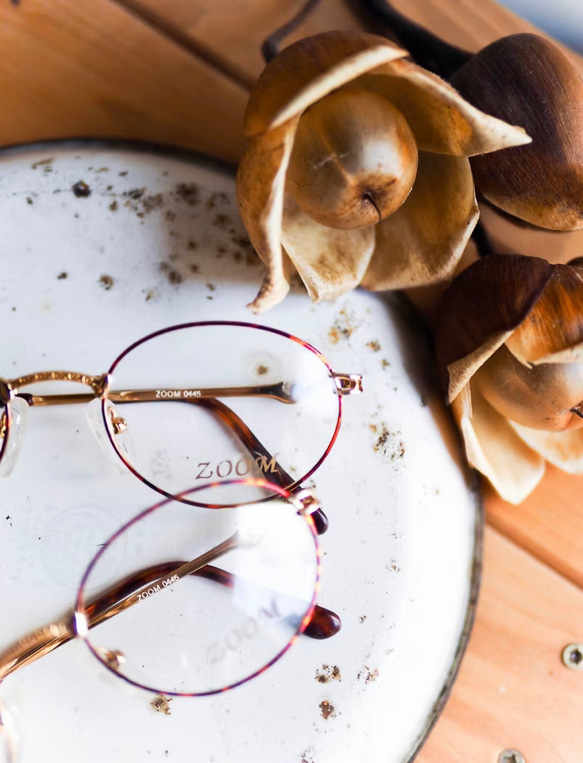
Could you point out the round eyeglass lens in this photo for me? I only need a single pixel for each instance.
(188, 600)
(205, 402)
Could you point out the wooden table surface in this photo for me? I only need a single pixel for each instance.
(178, 72)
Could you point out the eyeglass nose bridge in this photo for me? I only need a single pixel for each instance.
(16, 404)
(10, 387)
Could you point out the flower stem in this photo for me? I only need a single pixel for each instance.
(428, 50)
(270, 46)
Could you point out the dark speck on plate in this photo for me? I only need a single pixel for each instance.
(44, 163)
(367, 675)
(222, 221)
(62, 276)
(241, 241)
(106, 282)
(173, 276)
(154, 201)
(188, 192)
(328, 710)
(81, 189)
(328, 673)
(216, 198)
(135, 193)
(161, 704)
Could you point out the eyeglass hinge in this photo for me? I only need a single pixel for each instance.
(305, 501)
(100, 384)
(6, 392)
(347, 384)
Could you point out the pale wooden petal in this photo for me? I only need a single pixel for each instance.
(260, 191)
(438, 115)
(422, 242)
(495, 449)
(310, 69)
(563, 449)
(461, 371)
(330, 261)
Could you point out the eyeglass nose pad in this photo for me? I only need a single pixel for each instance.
(119, 431)
(17, 409)
(95, 421)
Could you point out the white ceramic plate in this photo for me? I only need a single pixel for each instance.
(84, 277)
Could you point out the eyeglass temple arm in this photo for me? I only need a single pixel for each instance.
(281, 391)
(323, 624)
(43, 640)
(273, 469)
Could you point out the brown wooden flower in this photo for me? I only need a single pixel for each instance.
(510, 345)
(357, 168)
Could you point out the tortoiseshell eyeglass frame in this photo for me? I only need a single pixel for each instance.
(343, 384)
(317, 623)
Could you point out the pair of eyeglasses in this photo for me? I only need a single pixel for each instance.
(192, 598)
(284, 413)
(161, 406)
(154, 607)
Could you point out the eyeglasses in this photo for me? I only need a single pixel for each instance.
(156, 610)
(161, 406)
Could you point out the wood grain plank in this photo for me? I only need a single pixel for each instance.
(73, 68)
(548, 524)
(235, 29)
(513, 690)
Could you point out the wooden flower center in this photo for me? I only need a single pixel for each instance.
(354, 160)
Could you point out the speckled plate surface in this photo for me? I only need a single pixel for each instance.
(154, 239)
